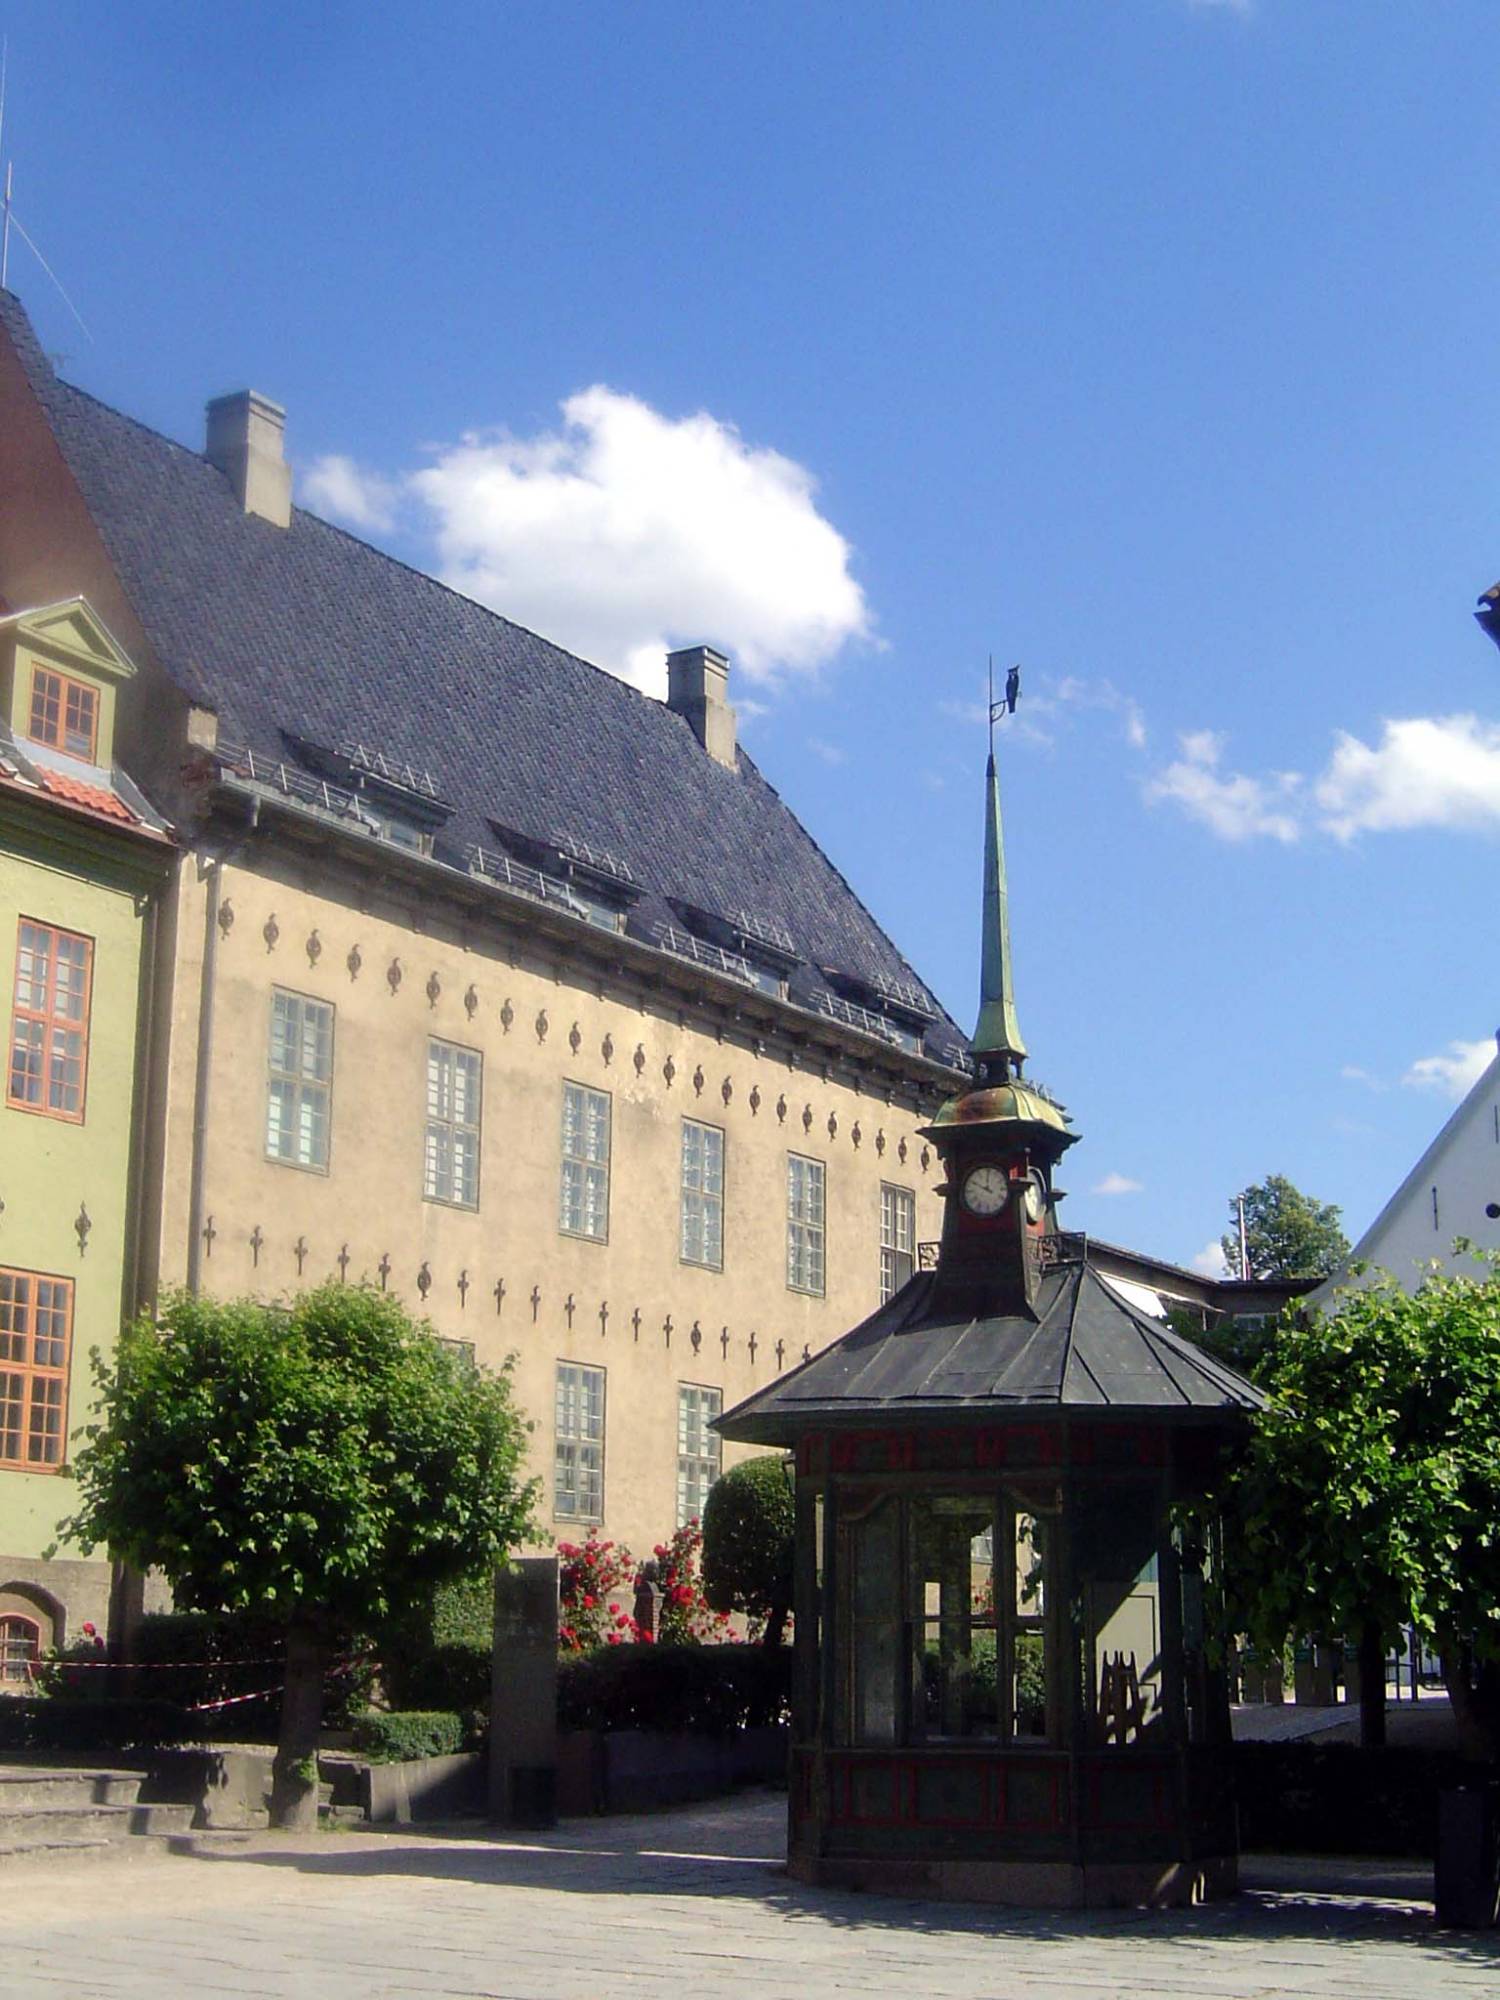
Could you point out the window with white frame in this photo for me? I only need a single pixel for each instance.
(301, 1081)
(898, 1233)
(698, 1448)
(578, 1453)
(804, 1224)
(585, 1162)
(454, 1090)
(702, 1233)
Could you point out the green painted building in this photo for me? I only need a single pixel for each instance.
(83, 863)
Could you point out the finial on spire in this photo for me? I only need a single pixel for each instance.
(997, 1039)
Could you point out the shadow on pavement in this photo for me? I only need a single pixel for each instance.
(737, 1851)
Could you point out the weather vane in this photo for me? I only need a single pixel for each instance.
(1006, 705)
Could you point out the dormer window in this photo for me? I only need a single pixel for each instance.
(64, 714)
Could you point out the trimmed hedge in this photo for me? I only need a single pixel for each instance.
(393, 1736)
(679, 1690)
(1336, 1798)
(91, 1728)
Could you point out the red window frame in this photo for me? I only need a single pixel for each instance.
(16, 1631)
(36, 1344)
(39, 1053)
(63, 709)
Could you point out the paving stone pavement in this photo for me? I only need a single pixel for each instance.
(689, 1904)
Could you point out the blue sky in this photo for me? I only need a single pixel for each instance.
(1149, 343)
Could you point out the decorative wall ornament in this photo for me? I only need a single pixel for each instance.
(299, 1251)
(880, 1141)
(226, 917)
(342, 1260)
(752, 1343)
(499, 1296)
(536, 1302)
(901, 1151)
(257, 1244)
(726, 1089)
(780, 1354)
(434, 989)
(781, 1109)
(754, 1099)
(354, 961)
(695, 1336)
(463, 1290)
(635, 1324)
(724, 1342)
(926, 1158)
(854, 1133)
(607, 1050)
(806, 1352)
(669, 1070)
(569, 1308)
(471, 1000)
(603, 1318)
(507, 1015)
(393, 975)
(82, 1224)
(833, 1125)
(424, 1278)
(541, 1025)
(209, 1233)
(698, 1081)
(270, 930)
(666, 1327)
(384, 1269)
(807, 1117)
(639, 1058)
(575, 1038)
(313, 947)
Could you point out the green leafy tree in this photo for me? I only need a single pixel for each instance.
(1370, 1493)
(748, 1528)
(1287, 1233)
(325, 1464)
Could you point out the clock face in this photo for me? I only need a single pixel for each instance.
(1033, 1200)
(986, 1190)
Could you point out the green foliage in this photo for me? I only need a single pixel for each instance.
(392, 1736)
(749, 1526)
(684, 1617)
(87, 1727)
(1335, 1798)
(437, 1654)
(1371, 1489)
(324, 1463)
(1287, 1233)
(680, 1690)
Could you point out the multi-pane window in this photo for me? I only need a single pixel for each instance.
(454, 1086)
(698, 1449)
(301, 1080)
(35, 1322)
(585, 1162)
(50, 1020)
(20, 1648)
(898, 1231)
(64, 714)
(702, 1236)
(804, 1224)
(578, 1457)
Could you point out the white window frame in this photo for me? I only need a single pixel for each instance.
(700, 1450)
(584, 1199)
(700, 1230)
(806, 1225)
(578, 1442)
(898, 1238)
(299, 1096)
(455, 1115)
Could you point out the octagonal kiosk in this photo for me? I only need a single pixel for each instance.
(1003, 1688)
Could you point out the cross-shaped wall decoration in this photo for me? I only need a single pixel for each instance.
(83, 1222)
(536, 1302)
(724, 1343)
(299, 1251)
(209, 1233)
(806, 1353)
(499, 1296)
(343, 1262)
(463, 1290)
(569, 1309)
(603, 1318)
(752, 1344)
(635, 1324)
(257, 1243)
(780, 1354)
(384, 1268)
(666, 1327)
(696, 1336)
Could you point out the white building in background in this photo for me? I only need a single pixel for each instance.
(1453, 1191)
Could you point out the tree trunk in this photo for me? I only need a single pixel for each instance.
(1371, 1687)
(1474, 1689)
(294, 1777)
(775, 1623)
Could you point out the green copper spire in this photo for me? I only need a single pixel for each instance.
(998, 1033)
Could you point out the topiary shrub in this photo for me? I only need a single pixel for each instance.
(676, 1690)
(91, 1727)
(749, 1525)
(394, 1736)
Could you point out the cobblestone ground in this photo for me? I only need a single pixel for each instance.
(688, 1904)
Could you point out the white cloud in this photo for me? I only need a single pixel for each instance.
(1426, 771)
(1210, 1261)
(1233, 806)
(335, 485)
(1114, 1183)
(1045, 704)
(829, 752)
(624, 532)
(1454, 1073)
(1352, 1073)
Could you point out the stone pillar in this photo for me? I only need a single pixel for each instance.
(523, 1694)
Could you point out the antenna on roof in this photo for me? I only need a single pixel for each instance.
(13, 221)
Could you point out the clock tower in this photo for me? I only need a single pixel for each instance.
(1001, 1139)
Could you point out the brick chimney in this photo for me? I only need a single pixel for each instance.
(245, 433)
(697, 684)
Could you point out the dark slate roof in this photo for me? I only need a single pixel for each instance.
(1087, 1350)
(306, 633)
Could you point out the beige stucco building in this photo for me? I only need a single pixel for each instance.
(481, 976)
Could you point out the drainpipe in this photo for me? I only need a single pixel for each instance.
(206, 1048)
(141, 1116)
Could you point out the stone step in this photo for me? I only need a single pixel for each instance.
(44, 1825)
(25, 1790)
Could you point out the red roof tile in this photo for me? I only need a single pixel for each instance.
(94, 797)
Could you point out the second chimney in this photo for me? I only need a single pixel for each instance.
(697, 684)
(245, 433)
